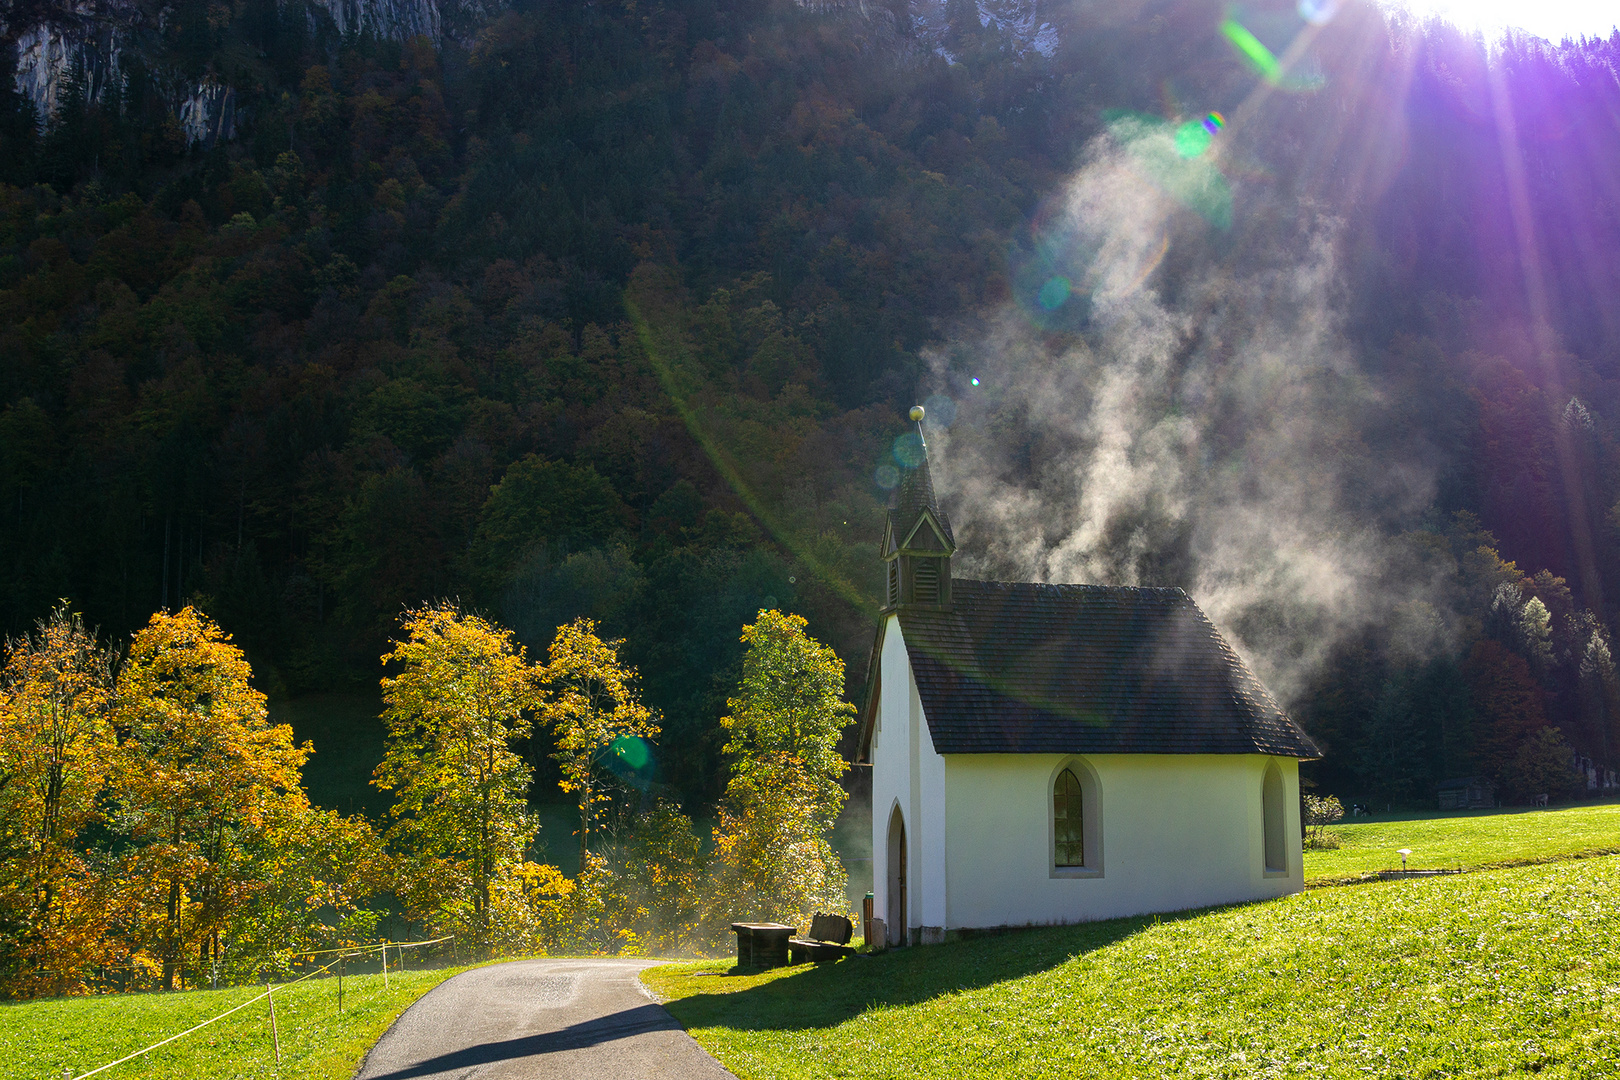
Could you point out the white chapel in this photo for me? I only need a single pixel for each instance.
(1046, 754)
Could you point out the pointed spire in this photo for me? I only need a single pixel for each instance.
(916, 491)
(917, 544)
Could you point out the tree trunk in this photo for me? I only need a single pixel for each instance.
(584, 823)
(171, 944)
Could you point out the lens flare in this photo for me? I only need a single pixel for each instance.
(1262, 59)
(671, 363)
(1171, 159)
(1055, 292)
(1293, 72)
(975, 382)
(1195, 136)
(632, 750)
(908, 450)
(886, 476)
(941, 410)
(1192, 139)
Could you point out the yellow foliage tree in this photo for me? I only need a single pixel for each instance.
(56, 747)
(594, 713)
(462, 696)
(201, 775)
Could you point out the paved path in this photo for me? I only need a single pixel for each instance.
(539, 1020)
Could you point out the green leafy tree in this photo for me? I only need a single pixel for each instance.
(316, 869)
(462, 697)
(772, 859)
(539, 501)
(596, 716)
(1544, 765)
(660, 868)
(1320, 811)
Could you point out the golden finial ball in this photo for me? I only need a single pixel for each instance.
(917, 413)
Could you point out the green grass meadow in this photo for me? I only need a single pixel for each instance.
(1467, 839)
(1499, 973)
(39, 1038)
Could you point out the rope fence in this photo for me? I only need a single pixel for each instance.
(344, 953)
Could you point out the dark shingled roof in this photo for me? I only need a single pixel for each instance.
(1028, 668)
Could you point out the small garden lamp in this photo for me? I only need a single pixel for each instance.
(1403, 853)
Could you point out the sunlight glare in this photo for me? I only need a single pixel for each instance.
(1550, 19)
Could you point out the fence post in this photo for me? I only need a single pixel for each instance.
(341, 958)
(385, 965)
(275, 1037)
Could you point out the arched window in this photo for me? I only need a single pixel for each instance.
(1076, 820)
(1068, 821)
(1271, 807)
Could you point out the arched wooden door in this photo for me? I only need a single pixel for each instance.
(896, 914)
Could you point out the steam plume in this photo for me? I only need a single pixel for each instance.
(1202, 427)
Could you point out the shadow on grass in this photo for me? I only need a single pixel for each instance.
(825, 995)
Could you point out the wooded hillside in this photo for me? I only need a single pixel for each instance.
(616, 314)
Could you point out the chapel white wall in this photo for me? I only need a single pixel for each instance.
(1179, 831)
(908, 773)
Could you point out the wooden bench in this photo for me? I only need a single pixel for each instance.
(828, 939)
(762, 945)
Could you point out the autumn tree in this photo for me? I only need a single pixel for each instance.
(463, 695)
(201, 775)
(56, 747)
(772, 858)
(595, 714)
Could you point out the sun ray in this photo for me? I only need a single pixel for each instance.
(1535, 289)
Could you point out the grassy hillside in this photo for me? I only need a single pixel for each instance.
(1490, 974)
(39, 1038)
(1469, 838)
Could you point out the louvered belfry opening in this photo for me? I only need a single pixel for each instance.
(917, 541)
(925, 581)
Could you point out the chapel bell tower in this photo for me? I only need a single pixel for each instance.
(917, 541)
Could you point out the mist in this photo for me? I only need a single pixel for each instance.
(1191, 414)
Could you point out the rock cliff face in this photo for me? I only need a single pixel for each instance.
(925, 23)
(1023, 21)
(84, 43)
(395, 20)
(209, 114)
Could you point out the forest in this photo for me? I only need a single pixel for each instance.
(613, 311)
